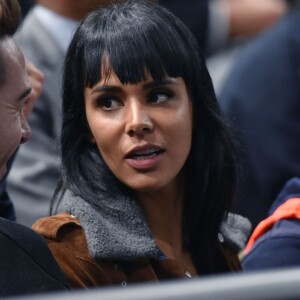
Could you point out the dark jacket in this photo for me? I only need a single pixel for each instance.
(6, 206)
(67, 241)
(26, 264)
(276, 240)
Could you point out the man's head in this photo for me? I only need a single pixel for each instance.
(14, 85)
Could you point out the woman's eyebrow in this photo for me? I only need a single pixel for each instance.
(157, 83)
(25, 94)
(106, 88)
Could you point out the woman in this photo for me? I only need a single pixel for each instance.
(148, 170)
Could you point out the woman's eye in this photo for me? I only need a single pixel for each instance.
(160, 96)
(108, 103)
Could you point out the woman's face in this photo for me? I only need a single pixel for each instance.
(143, 131)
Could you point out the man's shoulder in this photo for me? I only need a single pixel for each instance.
(18, 232)
(26, 263)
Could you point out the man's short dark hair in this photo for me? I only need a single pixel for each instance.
(10, 13)
(9, 17)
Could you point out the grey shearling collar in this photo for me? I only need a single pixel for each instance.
(116, 229)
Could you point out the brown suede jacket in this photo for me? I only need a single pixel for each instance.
(67, 242)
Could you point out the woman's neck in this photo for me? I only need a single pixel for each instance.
(163, 210)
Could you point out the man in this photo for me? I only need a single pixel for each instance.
(36, 79)
(26, 264)
(44, 38)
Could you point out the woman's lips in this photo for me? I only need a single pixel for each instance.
(144, 159)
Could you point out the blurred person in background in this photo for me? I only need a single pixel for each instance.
(215, 23)
(261, 100)
(232, 25)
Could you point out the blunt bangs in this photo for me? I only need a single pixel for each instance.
(133, 44)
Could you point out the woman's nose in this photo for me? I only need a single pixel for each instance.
(139, 121)
(25, 129)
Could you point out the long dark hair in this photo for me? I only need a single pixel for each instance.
(138, 36)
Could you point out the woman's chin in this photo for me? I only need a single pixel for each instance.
(146, 186)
